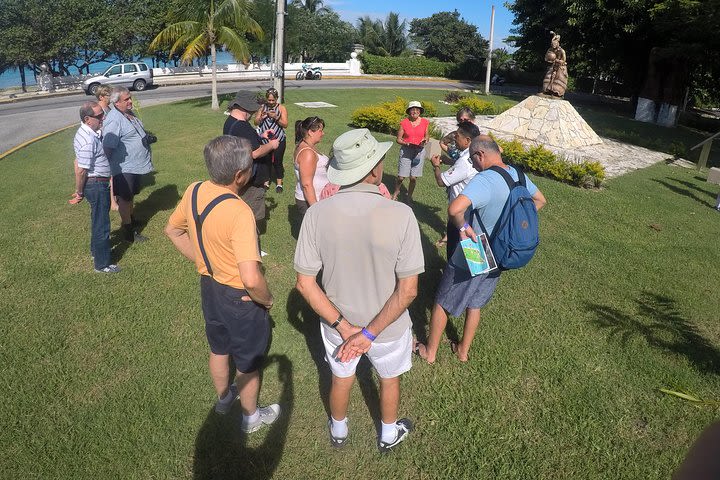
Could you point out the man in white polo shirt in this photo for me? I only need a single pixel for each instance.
(456, 178)
(92, 181)
(369, 250)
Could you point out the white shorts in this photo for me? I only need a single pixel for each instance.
(390, 359)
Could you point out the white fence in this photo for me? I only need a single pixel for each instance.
(251, 71)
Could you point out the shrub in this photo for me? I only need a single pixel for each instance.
(480, 106)
(419, 66)
(454, 96)
(543, 162)
(386, 117)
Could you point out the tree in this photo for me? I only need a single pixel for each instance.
(318, 37)
(383, 38)
(614, 39)
(447, 37)
(313, 6)
(208, 24)
(501, 58)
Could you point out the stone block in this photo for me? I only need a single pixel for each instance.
(645, 111)
(714, 176)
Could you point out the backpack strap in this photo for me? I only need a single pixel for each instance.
(200, 219)
(506, 176)
(511, 183)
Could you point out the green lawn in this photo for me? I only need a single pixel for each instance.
(106, 376)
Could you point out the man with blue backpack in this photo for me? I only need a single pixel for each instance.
(501, 202)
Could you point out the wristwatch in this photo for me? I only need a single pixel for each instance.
(337, 322)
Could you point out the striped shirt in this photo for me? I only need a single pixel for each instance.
(89, 152)
(272, 124)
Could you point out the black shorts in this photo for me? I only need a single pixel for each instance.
(126, 185)
(234, 327)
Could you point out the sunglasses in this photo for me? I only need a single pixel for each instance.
(99, 116)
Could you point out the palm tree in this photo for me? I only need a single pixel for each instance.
(208, 24)
(394, 40)
(313, 6)
(383, 38)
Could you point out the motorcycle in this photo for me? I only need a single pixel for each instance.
(498, 80)
(309, 72)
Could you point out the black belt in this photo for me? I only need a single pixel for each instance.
(98, 179)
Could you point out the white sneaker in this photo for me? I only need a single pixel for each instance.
(403, 427)
(112, 268)
(268, 415)
(223, 405)
(263, 254)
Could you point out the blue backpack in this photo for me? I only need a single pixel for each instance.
(516, 235)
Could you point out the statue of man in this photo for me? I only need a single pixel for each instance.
(556, 77)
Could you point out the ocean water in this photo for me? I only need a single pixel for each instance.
(11, 78)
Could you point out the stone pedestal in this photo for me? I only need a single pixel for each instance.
(667, 116)
(714, 176)
(645, 111)
(546, 121)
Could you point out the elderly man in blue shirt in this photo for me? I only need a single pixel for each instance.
(127, 144)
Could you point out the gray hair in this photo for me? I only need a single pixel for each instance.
(225, 156)
(465, 111)
(88, 110)
(485, 143)
(116, 92)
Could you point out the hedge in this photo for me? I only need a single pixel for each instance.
(418, 66)
(385, 117)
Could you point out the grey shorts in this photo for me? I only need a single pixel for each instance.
(411, 162)
(255, 199)
(458, 290)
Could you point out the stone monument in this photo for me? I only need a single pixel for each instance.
(546, 119)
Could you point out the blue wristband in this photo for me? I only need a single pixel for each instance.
(368, 335)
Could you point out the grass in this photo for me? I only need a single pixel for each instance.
(105, 376)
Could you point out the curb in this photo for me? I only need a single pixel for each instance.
(32, 140)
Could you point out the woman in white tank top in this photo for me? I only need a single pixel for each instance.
(310, 166)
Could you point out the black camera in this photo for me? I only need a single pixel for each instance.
(148, 140)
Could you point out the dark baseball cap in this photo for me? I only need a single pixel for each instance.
(245, 100)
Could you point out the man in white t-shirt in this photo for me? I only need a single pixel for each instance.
(458, 176)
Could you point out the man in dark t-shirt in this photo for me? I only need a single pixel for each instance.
(240, 110)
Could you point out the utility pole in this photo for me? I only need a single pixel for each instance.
(279, 50)
(490, 49)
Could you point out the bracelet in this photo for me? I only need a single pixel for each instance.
(465, 227)
(337, 322)
(368, 335)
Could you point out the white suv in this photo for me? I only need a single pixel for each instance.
(132, 75)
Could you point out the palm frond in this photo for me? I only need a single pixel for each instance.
(197, 47)
(171, 33)
(235, 44)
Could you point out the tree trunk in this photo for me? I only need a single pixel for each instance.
(22, 78)
(213, 59)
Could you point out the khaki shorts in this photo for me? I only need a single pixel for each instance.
(390, 359)
(255, 199)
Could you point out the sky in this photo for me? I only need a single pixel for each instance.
(475, 12)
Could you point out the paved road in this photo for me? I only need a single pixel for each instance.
(28, 119)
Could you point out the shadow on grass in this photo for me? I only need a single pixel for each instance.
(220, 446)
(687, 192)
(695, 187)
(306, 321)
(421, 308)
(659, 322)
(164, 198)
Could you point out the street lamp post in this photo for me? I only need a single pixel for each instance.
(490, 49)
(279, 50)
